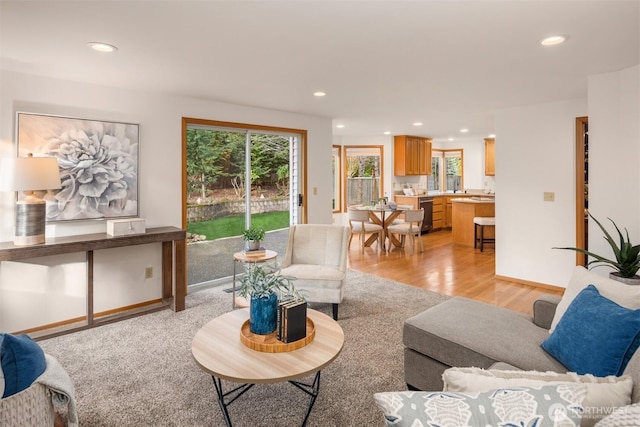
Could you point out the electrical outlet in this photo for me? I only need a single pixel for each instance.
(549, 196)
(148, 272)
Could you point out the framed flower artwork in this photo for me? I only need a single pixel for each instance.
(98, 163)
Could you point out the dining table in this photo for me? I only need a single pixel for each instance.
(383, 216)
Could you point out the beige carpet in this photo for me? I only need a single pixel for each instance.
(140, 372)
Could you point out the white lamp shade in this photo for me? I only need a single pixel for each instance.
(29, 174)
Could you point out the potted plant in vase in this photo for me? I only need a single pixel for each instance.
(627, 256)
(261, 285)
(252, 237)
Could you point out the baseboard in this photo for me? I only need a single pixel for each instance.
(530, 283)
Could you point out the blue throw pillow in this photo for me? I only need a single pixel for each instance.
(595, 335)
(22, 361)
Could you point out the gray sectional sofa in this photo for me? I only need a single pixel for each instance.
(465, 333)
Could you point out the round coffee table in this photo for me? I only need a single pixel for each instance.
(217, 349)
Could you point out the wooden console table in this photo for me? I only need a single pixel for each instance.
(173, 247)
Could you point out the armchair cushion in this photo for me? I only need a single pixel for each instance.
(22, 361)
(595, 335)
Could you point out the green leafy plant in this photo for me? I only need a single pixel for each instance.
(627, 262)
(262, 280)
(253, 233)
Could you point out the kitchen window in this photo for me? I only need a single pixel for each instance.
(363, 174)
(447, 169)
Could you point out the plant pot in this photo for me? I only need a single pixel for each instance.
(635, 280)
(252, 245)
(263, 314)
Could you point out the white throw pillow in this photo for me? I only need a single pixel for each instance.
(627, 416)
(627, 296)
(603, 393)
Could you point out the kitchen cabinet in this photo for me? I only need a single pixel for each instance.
(438, 212)
(489, 156)
(411, 155)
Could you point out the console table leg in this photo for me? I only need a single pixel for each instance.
(312, 390)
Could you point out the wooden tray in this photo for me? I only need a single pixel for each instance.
(270, 344)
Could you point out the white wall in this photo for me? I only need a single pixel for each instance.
(614, 156)
(159, 178)
(535, 154)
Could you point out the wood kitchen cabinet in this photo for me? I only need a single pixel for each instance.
(489, 156)
(411, 155)
(438, 212)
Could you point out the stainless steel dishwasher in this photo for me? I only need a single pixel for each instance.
(426, 203)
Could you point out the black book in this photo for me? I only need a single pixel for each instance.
(295, 321)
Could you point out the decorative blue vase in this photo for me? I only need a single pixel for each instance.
(263, 314)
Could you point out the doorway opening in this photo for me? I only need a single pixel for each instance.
(582, 188)
(236, 176)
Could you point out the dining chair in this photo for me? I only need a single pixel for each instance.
(360, 225)
(412, 227)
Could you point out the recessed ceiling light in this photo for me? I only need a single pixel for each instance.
(553, 40)
(339, 126)
(450, 139)
(417, 124)
(319, 94)
(464, 130)
(387, 133)
(102, 47)
(493, 135)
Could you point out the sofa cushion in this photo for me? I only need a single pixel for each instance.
(464, 332)
(22, 361)
(626, 295)
(549, 405)
(595, 335)
(603, 394)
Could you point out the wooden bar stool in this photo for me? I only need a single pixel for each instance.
(480, 222)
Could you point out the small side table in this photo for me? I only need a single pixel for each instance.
(243, 258)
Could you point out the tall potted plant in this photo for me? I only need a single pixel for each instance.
(627, 256)
(253, 236)
(261, 285)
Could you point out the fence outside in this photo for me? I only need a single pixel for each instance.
(362, 190)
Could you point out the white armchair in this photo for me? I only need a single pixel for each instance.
(317, 257)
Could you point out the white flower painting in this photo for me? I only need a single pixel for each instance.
(98, 163)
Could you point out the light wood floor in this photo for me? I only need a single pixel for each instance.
(448, 269)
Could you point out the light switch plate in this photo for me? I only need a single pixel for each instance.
(549, 196)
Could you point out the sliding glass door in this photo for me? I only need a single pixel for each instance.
(237, 177)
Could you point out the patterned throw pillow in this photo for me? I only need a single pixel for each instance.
(604, 394)
(627, 416)
(546, 406)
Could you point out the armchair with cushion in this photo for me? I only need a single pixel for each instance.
(316, 257)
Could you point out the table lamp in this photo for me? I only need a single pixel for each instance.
(29, 174)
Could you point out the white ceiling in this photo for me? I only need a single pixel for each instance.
(383, 64)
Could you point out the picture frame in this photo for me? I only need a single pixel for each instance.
(98, 163)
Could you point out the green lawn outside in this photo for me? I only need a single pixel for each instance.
(234, 225)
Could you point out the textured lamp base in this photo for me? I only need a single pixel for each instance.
(30, 222)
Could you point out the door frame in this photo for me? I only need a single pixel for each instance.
(186, 121)
(581, 224)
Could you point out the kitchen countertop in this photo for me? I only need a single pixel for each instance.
(474, 199)
(460, 195)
